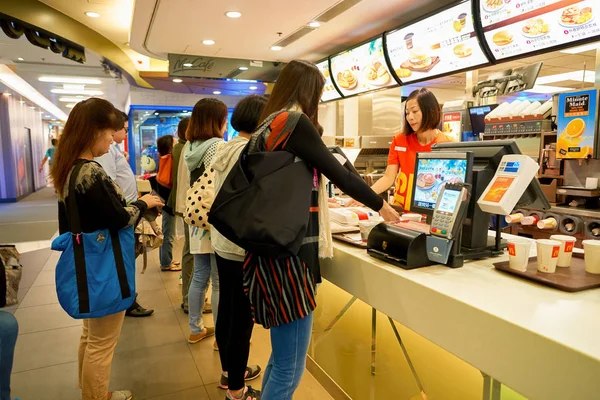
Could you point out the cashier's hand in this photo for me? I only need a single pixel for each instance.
(388, 213)
(354, 203)
(333, 204)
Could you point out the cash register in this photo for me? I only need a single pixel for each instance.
(448, 185)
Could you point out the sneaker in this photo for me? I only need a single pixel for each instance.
(249, 394)
(252, 372)
(121, 395)
(173, 267)
(207, 332)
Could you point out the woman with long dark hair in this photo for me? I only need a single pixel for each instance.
(88, 133)
(283, 290)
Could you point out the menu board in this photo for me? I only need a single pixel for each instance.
(517, 27)
(438, 45)
(361, 69)
(577, 124)
(329, 91)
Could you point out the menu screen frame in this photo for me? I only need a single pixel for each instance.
(474, 7)
(335, 86)
(488, 48)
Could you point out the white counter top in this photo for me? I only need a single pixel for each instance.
(542, 342)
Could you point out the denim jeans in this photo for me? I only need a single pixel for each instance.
(9, 329)
(205, 269)
(166, 250)
(289, 344)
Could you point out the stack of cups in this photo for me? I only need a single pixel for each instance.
(567, 243)
(547, 255)
(518, 253)
(591, 250)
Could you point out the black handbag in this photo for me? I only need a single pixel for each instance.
(264, 203)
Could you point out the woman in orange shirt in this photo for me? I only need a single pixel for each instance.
(421, 120)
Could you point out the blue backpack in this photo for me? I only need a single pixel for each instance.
(95, 275)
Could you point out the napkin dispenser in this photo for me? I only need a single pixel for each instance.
(401, 247)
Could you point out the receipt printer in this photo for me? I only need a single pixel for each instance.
(402, 247)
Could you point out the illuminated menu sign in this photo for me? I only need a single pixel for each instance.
(438, 45)
(329, 92)
(516, 27)
(361, 69)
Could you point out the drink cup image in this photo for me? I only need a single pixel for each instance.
(518, 253)
(567, 243)
(547, 255)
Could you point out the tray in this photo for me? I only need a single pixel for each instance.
(434, 61)
(343, 238)
(572, 279)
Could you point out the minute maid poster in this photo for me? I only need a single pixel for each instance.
(577, 124)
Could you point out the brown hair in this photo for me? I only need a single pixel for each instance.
(430, 109)
(300, 83)
(207, 120)
(182, 127)
(85, 123)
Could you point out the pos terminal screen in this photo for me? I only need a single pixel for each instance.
(449, 201)
(431, 176)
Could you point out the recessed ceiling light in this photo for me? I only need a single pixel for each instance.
(233, 14)
(66, 79)
(188, 65)
(71, 105)
(216, 92)
(276, 48)
(20, 59)
(22, 101)
(92, 14)
(53, 119)
(6, 94)
(243, 68)
(208, 42)
(253, 87)
(177, 80)
(71, 99)
(78, 91)
(314, 24)
(32, 107)
(155, 113)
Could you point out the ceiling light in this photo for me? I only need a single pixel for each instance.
(71, 99)
(71, 105)
(78, 91)
(582, 49)
(243, 68)
(65, 79)
(20, 59)
(233, 14)
(216, 92)
(208, 42)
(188, 65)
(92, 14)
(548, 89)
(32, 107)
(177, 80)
(6, 94)
(185, 111)
(314, 24)
(276, 48)
(155, 113)
(253, 87)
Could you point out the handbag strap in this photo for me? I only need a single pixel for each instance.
(72, 209)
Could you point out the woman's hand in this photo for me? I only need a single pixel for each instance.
(388, 213)
(152, 201)
(354, 203)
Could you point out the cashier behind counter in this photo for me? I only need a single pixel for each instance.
(421, 120)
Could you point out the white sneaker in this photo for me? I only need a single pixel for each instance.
(121, 395)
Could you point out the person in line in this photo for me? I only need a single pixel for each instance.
(234, 326)
(422, 117)
(9, 330)
(289, 122)
(187, 260)
(49, 156)
(116, 166)
(88, 133)
(205, 130)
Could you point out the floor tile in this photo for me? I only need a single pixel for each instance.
(311, 389)
(32, 263)
(157, 300)
(157, 330)
(207, 360)
(198, 393)
(42, 318)
(175, 296)
(148, 282)
(44, 349)
(155, 371)
(52, 383)
(45, 278)
(40, 296)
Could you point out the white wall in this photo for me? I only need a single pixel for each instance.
(153, 97)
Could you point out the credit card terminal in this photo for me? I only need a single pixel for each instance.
(450, 209)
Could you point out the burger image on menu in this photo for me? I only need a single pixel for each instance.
(462, 50)
(419, 59)
(502, 38)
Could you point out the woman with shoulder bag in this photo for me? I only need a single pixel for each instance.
(283, 290)
(88, 133)
(205, 131)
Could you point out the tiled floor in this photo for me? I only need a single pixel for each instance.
(152, 359)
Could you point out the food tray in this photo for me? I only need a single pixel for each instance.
(343, 238)
(434, 61)
(572, 279)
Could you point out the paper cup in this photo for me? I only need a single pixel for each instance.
(365, 228)
(591, 250)
(518, 253)
(547, 255)
(566, 249)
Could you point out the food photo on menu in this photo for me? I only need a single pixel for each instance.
(329, 91)
(361, 69)
(433, 175)
(514, 28)
(440, 44)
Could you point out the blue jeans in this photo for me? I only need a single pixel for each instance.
(166, 250)
(205, 269)
(289, 344)
(9, 330)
